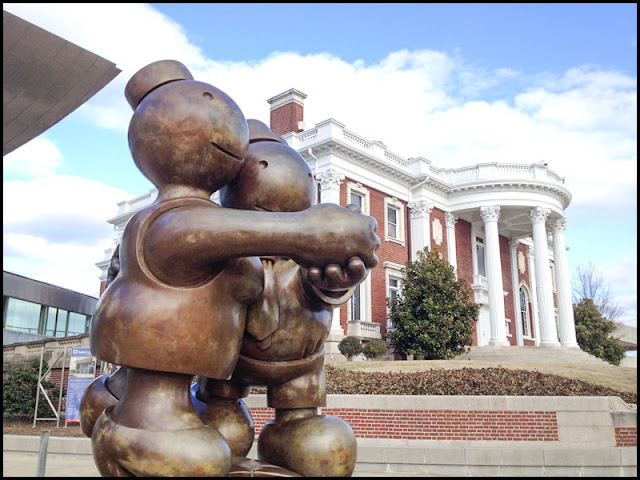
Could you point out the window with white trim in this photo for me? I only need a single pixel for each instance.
(524, 313)
(393, 278)
(358, 194)
(356, 305)
(480, 256)
(553, 276)
(394, 220)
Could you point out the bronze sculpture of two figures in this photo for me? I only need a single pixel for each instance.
(237, 295)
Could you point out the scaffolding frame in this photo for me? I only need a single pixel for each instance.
(41, 377)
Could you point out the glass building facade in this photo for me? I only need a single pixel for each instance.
(39, 309)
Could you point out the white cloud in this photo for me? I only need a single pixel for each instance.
(37, 158)
(54, 229)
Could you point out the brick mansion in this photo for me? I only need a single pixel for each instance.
(500, 225)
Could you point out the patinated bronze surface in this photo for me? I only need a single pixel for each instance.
(238, 295)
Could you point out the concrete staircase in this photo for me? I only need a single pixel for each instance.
(532, 354)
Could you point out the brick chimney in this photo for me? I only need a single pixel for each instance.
(287, 112)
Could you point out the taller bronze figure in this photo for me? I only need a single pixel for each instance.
(189, 270)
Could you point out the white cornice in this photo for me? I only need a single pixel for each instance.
(337, 147)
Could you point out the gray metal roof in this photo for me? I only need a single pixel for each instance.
(44, 79)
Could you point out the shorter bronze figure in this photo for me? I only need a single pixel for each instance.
(283, 345)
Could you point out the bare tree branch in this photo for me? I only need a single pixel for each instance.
(588, 283)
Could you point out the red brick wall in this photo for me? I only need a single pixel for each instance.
(285, 119)
(464, 245)
(528, 426)
(464, 259)
(626, 436)
(442, 248)
(388, 252)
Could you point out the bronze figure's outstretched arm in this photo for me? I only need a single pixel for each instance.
(185, 243)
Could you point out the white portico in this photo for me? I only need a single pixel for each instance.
(525, 205)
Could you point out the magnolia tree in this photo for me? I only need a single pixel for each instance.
(434, 313)
(593, 332)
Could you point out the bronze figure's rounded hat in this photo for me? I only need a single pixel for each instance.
(259, 132)
(151, 77)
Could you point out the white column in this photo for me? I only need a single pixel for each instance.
(451, 219)
(420, 229)
(566, 321)
(534, 295)
(513, 251)
(330, 182)
(548, 332)
(490, 216)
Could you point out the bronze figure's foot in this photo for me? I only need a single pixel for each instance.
(309, 444)
(229, 416)
(155, 431)
(124, 452)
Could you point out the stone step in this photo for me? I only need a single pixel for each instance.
(531, 354)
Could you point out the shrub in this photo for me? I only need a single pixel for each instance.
(375, 349)
(350, 347)
(20, 388)
(434, 312)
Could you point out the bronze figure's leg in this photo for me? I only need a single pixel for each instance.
(226, 411)
(104, 391)
(310, 444)
(155, 431)
(301, 440)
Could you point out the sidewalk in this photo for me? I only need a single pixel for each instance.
(26, 465)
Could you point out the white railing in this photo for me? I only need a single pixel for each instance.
(513, 170)
(138, 202)
(393, 158)
(308, 136)
(367, 330)
(356, 140)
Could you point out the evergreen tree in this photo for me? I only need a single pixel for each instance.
(350, 347)
(434, 313)
(20, 388)
(375, 349)
(593, 330)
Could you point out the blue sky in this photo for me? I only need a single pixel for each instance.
(458, 84)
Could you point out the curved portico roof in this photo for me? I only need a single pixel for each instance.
(45, 78)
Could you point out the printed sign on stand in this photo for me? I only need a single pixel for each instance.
(82, 370)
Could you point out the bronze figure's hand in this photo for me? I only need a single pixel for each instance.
(337, 234)
(335, 278)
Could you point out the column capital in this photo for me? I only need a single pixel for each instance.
(530, 252)
(490, 213)
(539, 215)
(450, 219)
(513, 243)
(420, 209)
(559, 225)
(330, 178)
